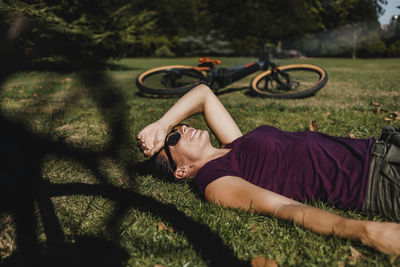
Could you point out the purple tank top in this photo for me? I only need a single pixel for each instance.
(304, 166)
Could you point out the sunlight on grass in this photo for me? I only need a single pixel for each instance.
(359, 99)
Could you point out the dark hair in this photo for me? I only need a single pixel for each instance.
(162, 167)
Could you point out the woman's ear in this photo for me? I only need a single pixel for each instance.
(181, 172)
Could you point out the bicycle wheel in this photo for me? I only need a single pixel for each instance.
(291, 81)
(168, 80)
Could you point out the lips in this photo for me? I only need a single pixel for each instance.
(194, 131)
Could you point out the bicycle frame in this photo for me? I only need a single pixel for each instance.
(221, 77)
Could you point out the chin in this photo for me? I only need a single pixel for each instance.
(205, 137)
(205, 134)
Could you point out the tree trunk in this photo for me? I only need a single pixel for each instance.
(354, 42)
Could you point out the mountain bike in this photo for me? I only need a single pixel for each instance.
(290, 81)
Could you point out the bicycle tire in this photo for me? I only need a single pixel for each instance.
(308, 78)
(169, 80)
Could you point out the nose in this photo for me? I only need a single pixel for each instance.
(184, 129)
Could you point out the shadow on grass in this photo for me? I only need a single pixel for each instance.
(232, 90)
(26, 195)
(65, 66)
(253, 94)
(155, 96)
(218, 92)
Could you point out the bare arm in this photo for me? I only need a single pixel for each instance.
(198, 100)
(236, 192)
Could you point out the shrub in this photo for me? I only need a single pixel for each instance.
(394, 49)
(374, 48)
(246, 46)
(212, 44)
(164, 51)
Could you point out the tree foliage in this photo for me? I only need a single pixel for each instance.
(93, 30)
(82, 30)
(343, 12)
(352, 28)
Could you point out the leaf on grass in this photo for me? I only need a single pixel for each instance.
(378, 110)
(263, 262)
(327, 114)
(387, 119)
(253, 227)
(352, 135)
(159, 265)
(355, 255)
(395, 115)
(162, 227)
(313, 126)
(374, 103)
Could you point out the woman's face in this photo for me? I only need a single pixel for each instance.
(191, 146)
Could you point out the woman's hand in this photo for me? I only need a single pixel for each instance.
(198, 100)
(152, 137)
(385, 237)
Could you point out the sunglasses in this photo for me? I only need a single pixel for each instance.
(172, 139)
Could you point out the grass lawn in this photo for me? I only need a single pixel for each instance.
(77, 130)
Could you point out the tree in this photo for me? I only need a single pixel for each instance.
(275, 20)
(116, 28)
(357, 13)
(82, 30)
(391, 36)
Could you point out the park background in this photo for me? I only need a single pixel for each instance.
(76, 191)
(114, 29)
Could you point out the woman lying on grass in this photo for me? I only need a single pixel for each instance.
(269, 171)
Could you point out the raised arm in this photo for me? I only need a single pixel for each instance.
(198, 100)
(236, 192)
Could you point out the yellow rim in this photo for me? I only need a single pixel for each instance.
(304, 66)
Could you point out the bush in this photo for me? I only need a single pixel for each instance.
(374, 48)
(246, 46)
(164, 51)
(394, 49)
(211, 44)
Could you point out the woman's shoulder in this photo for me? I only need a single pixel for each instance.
(263, 130)
(213, 170)
(260, 130)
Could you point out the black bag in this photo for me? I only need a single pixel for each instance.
(390, 135)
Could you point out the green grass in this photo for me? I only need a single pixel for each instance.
(86, 114)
